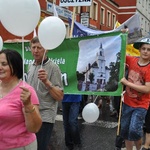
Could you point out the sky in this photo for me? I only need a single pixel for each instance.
(90, 47)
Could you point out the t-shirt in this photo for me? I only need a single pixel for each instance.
(13, 132)
(48, 105)
(138, 75)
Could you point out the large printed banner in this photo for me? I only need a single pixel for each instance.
(91, 65)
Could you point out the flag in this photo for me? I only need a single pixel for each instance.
(130, 50)
(117, 24)
(80, 30)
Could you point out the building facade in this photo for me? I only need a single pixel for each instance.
(101, 15)
(143, 8)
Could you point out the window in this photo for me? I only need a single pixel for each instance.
(78, 8)
(145, 26)
(102, 17)
(108, 18)
(141, 23)
(67, 31)
(93, 11)
(50, 1)
(149, 7)
(146, 5)
(113, 20)
(149, 28)
(143, 3)
(87, 8)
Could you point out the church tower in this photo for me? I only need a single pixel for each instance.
(101, 65)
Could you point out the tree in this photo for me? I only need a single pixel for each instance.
(112, 84)
(80, 76)
(91, 77)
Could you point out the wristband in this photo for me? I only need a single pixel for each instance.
(31, 111)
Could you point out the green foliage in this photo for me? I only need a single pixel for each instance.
(112, 84)
(91, 77)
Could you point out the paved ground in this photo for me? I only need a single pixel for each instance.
(100, 135)
(94, 136)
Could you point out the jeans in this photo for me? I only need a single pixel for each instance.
(70, 122)
(44, 135)
(132, 121)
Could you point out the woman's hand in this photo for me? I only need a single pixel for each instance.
(25, 96)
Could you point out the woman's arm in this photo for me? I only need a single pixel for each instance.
(32, 118)
(31, 113)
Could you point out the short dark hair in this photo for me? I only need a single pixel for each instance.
(35, 40)
(15, 62)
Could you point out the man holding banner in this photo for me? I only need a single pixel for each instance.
(137, 94)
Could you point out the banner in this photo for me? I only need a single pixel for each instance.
(91, 65)
(133, 24)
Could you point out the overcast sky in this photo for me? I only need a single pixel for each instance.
(89, 48)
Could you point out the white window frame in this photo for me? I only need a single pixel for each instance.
(108, 18)
(102, 20)
(94, 10)
(113, 20)
(78, 9)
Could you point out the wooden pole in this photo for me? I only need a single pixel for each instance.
(72, 24)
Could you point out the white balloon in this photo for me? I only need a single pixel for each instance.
(90, 112)
(1, 43)
(20, 17)
(51, 32)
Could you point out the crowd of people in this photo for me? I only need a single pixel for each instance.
(33, 103)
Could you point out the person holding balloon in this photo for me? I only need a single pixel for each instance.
(19, 113)
(45, 76)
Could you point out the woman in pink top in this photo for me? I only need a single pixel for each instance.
(19, 113)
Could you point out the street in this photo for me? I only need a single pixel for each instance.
(99, 135)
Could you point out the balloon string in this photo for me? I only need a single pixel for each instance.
(41, 68)
(23, 59)
(95, 99)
